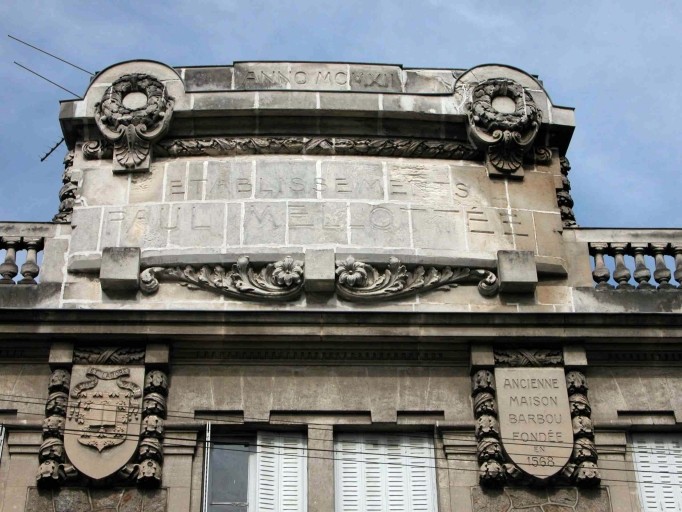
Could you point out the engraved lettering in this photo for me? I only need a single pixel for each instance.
(342, 186)
(297, 184)
(197, 222)
(513, 225)
(265, 215)
(243, 185)
(300, 77)
(381, 218)
(298, 217)
(462, 190)
(322, 78)
(341, 78)
(320, 185)
(477, 221)
(177, 187)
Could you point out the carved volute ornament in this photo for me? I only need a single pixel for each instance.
(503, 120)
(135, 111)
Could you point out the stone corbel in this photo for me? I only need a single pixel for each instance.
(503, 121)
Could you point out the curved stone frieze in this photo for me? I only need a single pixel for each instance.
(299, 145)
(282, 280)
(134, 112)
(358, 281)
(503, 121)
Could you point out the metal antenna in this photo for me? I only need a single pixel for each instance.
(52, 149)
(48, 80)
(51, 55)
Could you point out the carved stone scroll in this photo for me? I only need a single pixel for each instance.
(300, 145)
(134, 112)
(528, 357)
(279, 281)
(563, 195)
(358, 281)
(503, 122)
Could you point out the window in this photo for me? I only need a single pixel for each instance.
(255, 473)
(658, 461)
(384, 473)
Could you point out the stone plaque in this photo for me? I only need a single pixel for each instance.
(535, 418)
(104, 418)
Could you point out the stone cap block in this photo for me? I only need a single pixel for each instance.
(120, 269)
(320, 274)
(517, 271)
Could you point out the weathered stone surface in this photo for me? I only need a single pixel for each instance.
(147, 187)
(514, 499)
(229, 180)
(517, 271)
(265, 223)
(380, 225)
(352, 179)
(317, 223)
(319, 270)
(75, 499)
(217, 78)
(289, 179)
(120, 268)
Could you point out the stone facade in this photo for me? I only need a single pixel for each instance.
(293, 256)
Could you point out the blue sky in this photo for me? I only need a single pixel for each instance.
(616, 62)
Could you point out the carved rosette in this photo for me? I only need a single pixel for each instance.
(582, 468)
(133, 124)
(563, 195)
(503, 121)
(361, 282)
(67, 194)
(54, 470)
(279, 281)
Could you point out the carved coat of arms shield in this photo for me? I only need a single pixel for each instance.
(103, 420)
(535, 418)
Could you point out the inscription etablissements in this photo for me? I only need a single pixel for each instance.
(103, 421)
(535, 419)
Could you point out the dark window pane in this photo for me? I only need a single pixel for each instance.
(229, 478)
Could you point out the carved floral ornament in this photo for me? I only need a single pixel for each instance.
(284, 280)
(134, 112)
(503, 120)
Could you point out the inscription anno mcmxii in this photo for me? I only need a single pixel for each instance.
(535, 418)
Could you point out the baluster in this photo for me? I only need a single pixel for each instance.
(600, 274)
(677, 251)
(642, 272)
(621, 273)
(9, 269)
(30, 268)
(662, 274)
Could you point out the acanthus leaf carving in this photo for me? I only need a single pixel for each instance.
(282, 280)
(527, 357)
(504, 135)
(358, 281)
(130, 126)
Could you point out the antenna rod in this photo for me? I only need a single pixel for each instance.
(51, 55)
(52, 149)
(48, 80)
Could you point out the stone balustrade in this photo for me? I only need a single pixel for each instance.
(21, 245)
(628, 259)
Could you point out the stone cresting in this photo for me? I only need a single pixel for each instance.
(132, 125)
(358, 281)
(503, 131)
(279, 281)
(299, 145)
(67, 194)
(495, 467)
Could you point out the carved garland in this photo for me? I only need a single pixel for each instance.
(296, 145)
(563, 195)
(284, 280)
(132, 129)
(67, 194)
(505, 137)
(496, 470)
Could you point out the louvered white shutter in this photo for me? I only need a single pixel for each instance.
(384, 473)
(658, 461)
(281, 473)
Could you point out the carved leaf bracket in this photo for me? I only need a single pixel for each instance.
(361, 282)
(284, 280)
(279, 281)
